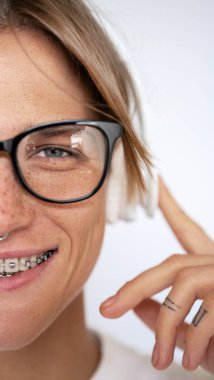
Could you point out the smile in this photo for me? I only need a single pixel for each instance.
(13, 266)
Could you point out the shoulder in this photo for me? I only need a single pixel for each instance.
(118, 361)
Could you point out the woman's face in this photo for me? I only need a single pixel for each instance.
(28, 97)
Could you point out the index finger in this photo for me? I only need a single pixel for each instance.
(150, 282)
(189, 233)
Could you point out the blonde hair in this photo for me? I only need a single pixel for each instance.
(73, 25)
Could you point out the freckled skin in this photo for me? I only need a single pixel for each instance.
(27, 97)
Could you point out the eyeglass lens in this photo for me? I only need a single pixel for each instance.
(64, 162)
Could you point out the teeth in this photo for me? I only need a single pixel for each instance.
(24, 264)
(1, 265)
(39, 259)
(9, 267)
(33, 262)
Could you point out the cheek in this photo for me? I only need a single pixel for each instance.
(79, 231)
(83, 226)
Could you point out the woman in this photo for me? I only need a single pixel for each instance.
(65, 104)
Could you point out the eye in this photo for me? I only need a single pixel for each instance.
(53, 152)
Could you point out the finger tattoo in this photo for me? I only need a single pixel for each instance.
(170, 304)
(199, 316)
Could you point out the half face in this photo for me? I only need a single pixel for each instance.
(66, 237)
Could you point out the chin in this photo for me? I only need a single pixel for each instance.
(19, 328)
(14, 339)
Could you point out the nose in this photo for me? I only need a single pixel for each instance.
(15, 211)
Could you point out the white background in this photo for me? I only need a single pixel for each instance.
(169, 48)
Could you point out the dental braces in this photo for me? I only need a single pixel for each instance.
(39, 260)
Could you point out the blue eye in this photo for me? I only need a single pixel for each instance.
(53, 152)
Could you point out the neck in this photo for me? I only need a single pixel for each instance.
(66, 350)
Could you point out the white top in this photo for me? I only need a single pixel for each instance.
(119, 362)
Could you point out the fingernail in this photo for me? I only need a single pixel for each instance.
(109, 301)
(185, 360)
(155, 355)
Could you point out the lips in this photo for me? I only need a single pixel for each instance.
(24, 253)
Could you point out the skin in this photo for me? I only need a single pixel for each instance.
(191, 278)
(34, 318)
(42, 326)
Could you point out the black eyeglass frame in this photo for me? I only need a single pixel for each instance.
(110, 130)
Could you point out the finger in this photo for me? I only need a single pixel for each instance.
(148, 311)
(189, 285)
(190, 235)
(199, 333)
(150, 282)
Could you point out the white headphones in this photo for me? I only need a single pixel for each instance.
(118, 206)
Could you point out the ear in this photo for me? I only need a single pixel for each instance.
(117, 203)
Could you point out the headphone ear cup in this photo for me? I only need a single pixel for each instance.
(117, 204)
(149, 199)
(116, 199)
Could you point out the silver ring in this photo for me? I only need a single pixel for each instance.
(4, 237)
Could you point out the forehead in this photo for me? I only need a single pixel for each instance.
(37, 83)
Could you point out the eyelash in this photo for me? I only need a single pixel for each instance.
(57, 149)
(72, 153)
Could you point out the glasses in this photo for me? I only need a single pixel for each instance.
(64, 161)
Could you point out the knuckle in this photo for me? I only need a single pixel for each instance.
(128, 284)
(209, 302)
(158, 332)
(133, 287)
(186, 274)
(190, 333)
(161, 328)
(126, 287)
(175, 259)
(193, 335)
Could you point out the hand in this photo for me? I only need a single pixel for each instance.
(191, 278)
